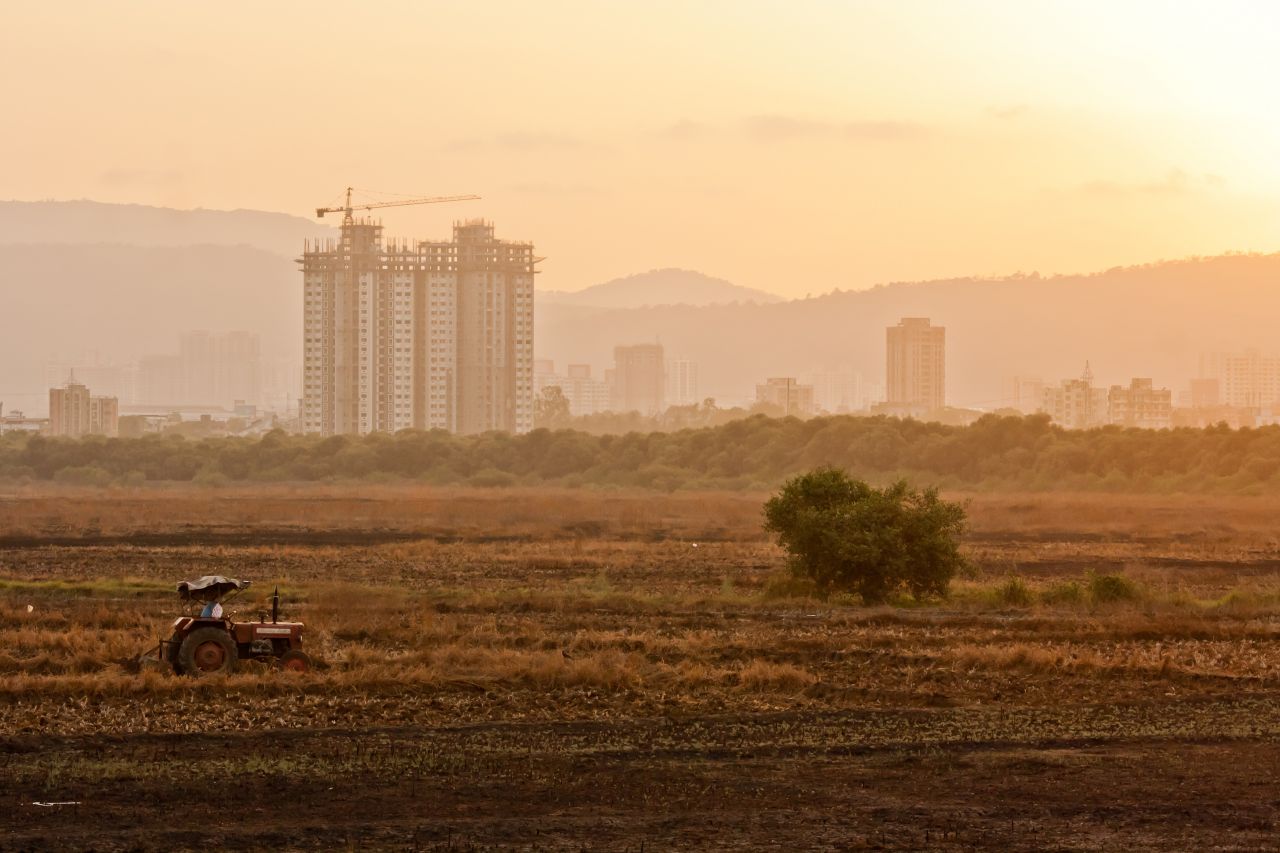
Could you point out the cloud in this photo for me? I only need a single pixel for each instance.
(773, 128)
(141, 177)
(462, 145)
(521, 141)
(1176, 182)
(516, 140)
(553, 189)
(685, 129)
(1009, 112)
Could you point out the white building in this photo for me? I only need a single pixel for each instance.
(1075, 403)
(682, 382)
(1246, 380)
(1025, 393)
(836, 393)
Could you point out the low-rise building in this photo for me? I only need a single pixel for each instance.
(787, 394)
(1140, 405)
(16, 421)
(1075, 403)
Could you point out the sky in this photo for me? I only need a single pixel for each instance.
(794, 147)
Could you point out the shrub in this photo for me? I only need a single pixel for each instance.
(845, 535)
(1014, 593)
(1068, 592)
(1104, 589)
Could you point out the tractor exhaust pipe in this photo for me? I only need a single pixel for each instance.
(275, 606)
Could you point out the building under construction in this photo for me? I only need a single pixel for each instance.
(424, 335)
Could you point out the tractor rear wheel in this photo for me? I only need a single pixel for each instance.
(206, 651)
(295, 660)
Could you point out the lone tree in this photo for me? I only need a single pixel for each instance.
(844, 534)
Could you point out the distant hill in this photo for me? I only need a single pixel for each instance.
(658, 287)
(140, 225)
(126, 301)
(138, 276)
(1151, 321)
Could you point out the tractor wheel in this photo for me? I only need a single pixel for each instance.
(295, 660)
(206, 651)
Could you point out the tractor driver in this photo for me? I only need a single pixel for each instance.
(212, 609)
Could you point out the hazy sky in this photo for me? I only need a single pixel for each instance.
(792, 146)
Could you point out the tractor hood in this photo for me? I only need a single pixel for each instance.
(209, 588)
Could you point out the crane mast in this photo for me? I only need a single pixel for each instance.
(347, 208)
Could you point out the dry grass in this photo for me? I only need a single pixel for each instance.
(555, 604)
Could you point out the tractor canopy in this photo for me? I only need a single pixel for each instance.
(210, 588)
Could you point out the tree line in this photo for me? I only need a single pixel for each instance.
(756, 452)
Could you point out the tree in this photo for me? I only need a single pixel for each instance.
(844, 534)
(551, 409)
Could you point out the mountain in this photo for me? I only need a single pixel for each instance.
(128, 301)
(71, 280)
(1149, 321)
(658, 287)
(139, 225)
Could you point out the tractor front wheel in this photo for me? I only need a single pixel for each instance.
(206, 651)
(295, 660)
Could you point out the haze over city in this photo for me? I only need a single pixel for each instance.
(880, 142)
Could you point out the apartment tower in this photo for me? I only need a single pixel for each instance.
(423, 335)
(74, 412)
(69, 410)
(916, 364)
(682, 382)
(639, 379)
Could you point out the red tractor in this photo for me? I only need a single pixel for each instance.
(210, 642)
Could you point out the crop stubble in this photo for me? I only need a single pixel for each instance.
(540, 667)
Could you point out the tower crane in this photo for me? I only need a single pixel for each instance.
(346, 209)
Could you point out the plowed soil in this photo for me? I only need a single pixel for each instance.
(546, 671)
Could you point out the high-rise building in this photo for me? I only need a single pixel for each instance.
(836, 393)
(428, 335)
(916, 364)
(1204, 393)
(1247, 380)
(787, 394)
(69, 409)
(74, 412)
(219, 368)
(1025, 393)
(104, 416)
(160, 381)
(682, 382)
(639, 379)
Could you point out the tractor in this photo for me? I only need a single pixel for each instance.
(209, 642)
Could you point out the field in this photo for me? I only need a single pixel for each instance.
(593, 670)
